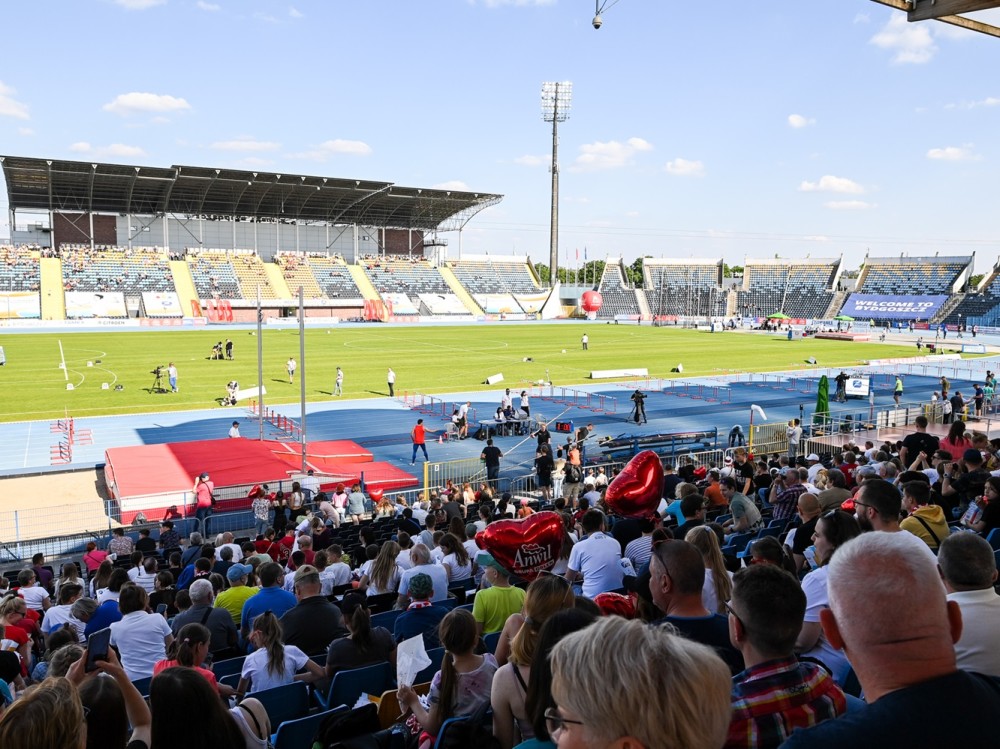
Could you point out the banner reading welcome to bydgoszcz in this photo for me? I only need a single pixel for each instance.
(887, 306)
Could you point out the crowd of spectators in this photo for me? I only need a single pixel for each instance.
(862, 612)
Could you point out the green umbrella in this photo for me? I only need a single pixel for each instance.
(822, 413)
(844, 318)
(778, 316)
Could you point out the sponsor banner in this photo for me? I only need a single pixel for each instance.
(886, 306)
(498, 304)
(20, 305)
(400, 304)
(161, 304)
(443, 304)
(95, 304)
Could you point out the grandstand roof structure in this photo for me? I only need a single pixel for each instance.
(77, 186)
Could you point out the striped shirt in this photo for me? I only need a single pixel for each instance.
(772, 699)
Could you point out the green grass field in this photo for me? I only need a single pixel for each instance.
(426, 359)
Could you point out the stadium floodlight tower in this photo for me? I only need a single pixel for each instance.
(556, 99)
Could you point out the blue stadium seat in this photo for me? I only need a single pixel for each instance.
(299, 733)
(347, 686)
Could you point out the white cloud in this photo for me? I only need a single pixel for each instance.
(632, 214)
(330, 148)
(266, 17)
(849, 205)
(529, 160)
(798, 121)
(25, 131)
(684, 168)
(456, 184)
(911, 42)
(295, 13)
(136, 102)
(829, 183)
(11, 107)
(210, 7)
(609, 155)
(254, 162)
(139, 4)
(862, 18)
(115, 150)
(989, 101)
(954, 153)
(245, 143)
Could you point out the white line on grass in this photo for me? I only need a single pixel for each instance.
(63, 357)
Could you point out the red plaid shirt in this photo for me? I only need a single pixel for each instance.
(772, 699)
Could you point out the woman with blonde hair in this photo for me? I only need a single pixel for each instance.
(546, 595)
(822, 480)
(718, 587)
(384, 573)
(48, 715)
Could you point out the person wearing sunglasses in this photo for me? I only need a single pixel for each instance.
(833, 530)
(669, 691)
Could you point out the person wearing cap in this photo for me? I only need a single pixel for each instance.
(493, 605)
(234, 430)
(314, 622)
(421, 616)
(204, 492)
(785, 492)
(233, 597)
(814, 467)
(964, 487)
(218, 620)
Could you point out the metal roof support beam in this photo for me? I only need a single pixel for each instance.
(928, 10)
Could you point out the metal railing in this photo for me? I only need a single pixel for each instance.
(573, 398)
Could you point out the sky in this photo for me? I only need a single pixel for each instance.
(788, 127)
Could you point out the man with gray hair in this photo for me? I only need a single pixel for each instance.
(313, 623)
(889, 614)
(218, 620)
(193, 551)
(969, 570)
(420, 556)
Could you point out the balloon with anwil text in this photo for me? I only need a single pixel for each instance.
(525, 547)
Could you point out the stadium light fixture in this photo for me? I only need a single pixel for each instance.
(557, 98)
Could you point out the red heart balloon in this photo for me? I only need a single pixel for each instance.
(636, 491)
(376, 494)
(616, 604)
(525, 547)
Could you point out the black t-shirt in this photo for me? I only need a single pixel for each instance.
(409, 525)
(803, 536)
(712, 631)
(970, 485)
(145, 545)
(915, 716)
(452, 509)
(670, 484)
(492, 455)
(682, 530)
(543, 437)
(625, 530)
(919, 442)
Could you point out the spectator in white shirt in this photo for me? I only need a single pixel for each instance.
(33, 594)
(421, 557)
(597, 558)
(968, 568)
(227, 540)
(141, 638)
(145, 575)
(62, 613)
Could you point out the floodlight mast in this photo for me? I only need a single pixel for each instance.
(556, 100)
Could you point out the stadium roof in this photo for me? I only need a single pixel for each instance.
(61, 186)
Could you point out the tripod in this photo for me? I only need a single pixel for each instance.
(638, 414)
(157, 386)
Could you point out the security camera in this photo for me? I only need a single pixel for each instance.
(597, 21)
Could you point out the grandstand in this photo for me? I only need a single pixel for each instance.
(684, 287)
(491, 275)
(128, 270)
(914, 276)
(803, 289)
(617, 295)
(213, 275)
(981, 307)
(19, 270)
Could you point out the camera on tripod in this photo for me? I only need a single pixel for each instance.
(157, 371)
(638, 397)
